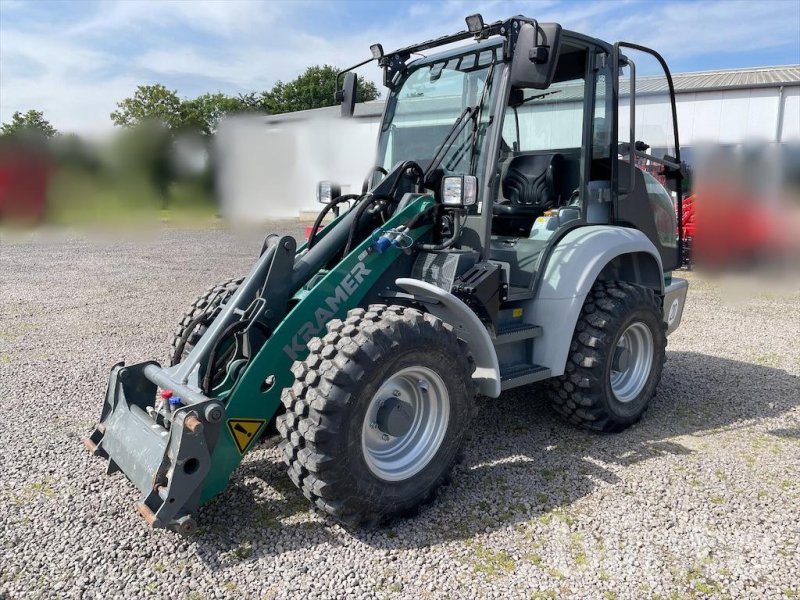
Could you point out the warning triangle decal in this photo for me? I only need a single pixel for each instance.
(243, 431)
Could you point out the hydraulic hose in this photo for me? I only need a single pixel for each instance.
(407, 165)
(457, 226)
(312, 237)
(360, 210)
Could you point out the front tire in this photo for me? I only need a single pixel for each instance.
(376, 416)
(198, 318)
(616, 358)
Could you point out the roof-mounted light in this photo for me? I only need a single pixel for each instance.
(475, 23)
(377, 51)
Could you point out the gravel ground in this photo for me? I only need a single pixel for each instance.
(699, 499)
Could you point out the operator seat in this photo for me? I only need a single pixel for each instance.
(530, 186)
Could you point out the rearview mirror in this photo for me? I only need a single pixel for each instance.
(535, 55)
(347, 95)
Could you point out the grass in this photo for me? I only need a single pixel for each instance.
(77, 198)
(698, 581)
(770, 359)
(577, 550)
(491, 563)
(159, 567)
(151, 587)
(34, 490)
(534, 558)
(548, 475)
(244, 551)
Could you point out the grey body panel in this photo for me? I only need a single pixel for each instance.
(571, 270)
(674, 301)
(467, 326)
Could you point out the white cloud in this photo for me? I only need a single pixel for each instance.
(76, 68)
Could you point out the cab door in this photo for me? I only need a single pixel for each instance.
(646, 169)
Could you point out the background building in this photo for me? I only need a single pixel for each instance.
(269, 166)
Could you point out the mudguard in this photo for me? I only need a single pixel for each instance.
(571, 270)
(468, 327)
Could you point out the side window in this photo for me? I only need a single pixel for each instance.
(545, 120)
(601, 123)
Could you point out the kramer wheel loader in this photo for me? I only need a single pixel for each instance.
(506, 236)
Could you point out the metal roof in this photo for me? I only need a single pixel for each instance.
(700, 81)
(705, 81)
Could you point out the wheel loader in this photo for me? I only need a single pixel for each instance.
(505, 236)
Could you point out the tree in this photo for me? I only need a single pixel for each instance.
(204, 112)
(313, 89)
(32, 121)
(156, 103)
(149, 103)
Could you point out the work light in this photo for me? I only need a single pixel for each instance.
(377, 51)
(328, 191)
(474, 23)
(459, 190)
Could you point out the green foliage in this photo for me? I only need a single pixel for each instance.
(315, 88)
(155, 103)
(204, 112)
(149, 103)
(32, 121)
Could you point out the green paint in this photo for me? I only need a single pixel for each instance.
(246, 399)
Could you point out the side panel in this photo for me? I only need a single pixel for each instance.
(570, 272)
(674, 301)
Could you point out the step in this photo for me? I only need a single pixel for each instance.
(514, 332)
(518, 293)
(516, 374)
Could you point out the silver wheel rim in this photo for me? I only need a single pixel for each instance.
(395, 458)
(629, 380)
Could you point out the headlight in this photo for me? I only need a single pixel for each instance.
(459, 190)
(328, 191)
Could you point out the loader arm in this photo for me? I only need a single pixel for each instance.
(184, 457)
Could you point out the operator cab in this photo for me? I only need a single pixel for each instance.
(544, 121)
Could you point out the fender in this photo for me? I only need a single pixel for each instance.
(467, 326)
(571, 270)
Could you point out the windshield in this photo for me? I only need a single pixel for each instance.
(426, 105)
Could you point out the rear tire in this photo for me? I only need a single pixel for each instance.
(616, 358)
(201, 313)
(336, 424)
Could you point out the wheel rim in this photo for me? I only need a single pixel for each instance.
(423, 397)
(632, 362)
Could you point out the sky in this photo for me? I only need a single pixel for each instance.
(75, 60)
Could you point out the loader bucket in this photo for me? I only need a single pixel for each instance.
(166, 454)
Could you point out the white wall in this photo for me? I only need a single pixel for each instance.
(737, 116)
(271, 171)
